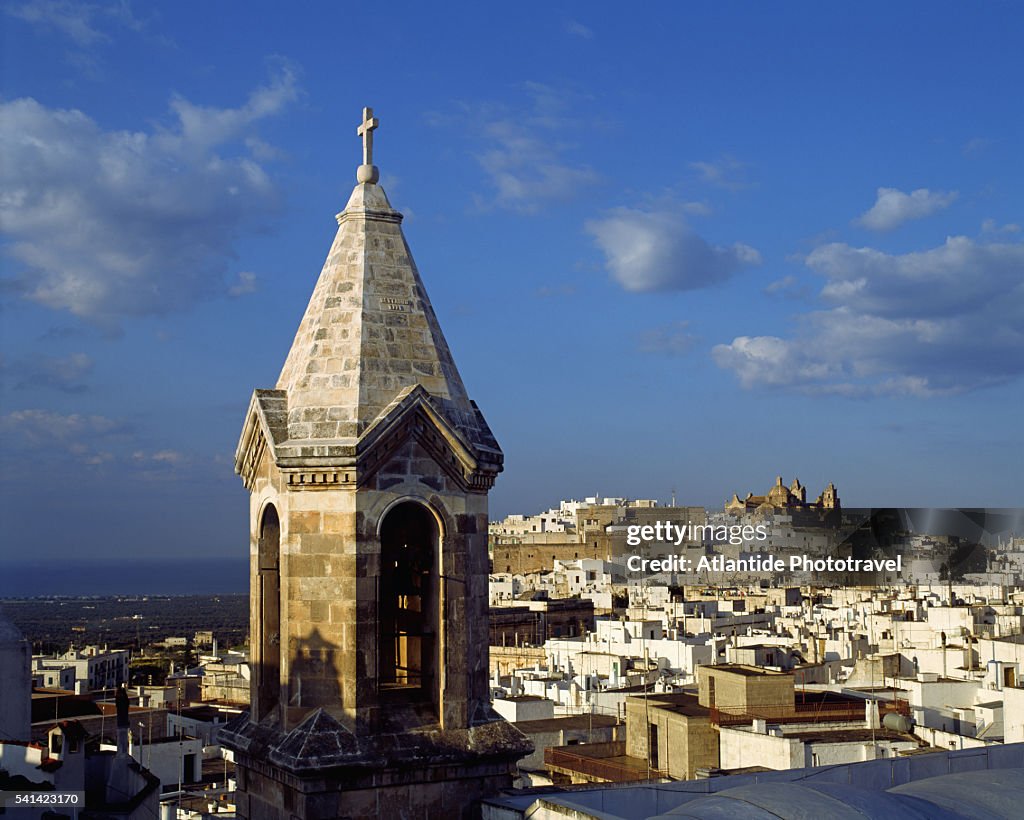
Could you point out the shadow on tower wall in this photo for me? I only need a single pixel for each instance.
(313, 678)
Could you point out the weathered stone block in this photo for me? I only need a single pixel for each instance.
(339, 523)
(312, 543)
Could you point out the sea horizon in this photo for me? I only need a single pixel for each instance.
(182, 576)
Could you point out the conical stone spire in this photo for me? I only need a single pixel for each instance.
(369, 331)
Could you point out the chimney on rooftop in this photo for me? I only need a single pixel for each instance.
(871, 718)
(119, 780)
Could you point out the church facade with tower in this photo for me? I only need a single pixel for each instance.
(368, 469)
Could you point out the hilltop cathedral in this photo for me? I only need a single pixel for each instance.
(368, 468)
(784, 499)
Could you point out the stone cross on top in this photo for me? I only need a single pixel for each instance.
(367, 172)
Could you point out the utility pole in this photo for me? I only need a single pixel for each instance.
(181, 760)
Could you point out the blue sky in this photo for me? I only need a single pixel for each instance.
(677, 245)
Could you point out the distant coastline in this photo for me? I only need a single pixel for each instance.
(183, 576)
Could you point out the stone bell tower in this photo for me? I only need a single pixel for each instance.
(368, 468)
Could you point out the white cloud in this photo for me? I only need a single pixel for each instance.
(64, 373)
(72, 19)
(658, 251)
(942, 321)
(841, 353)
(767, 360)
(521, 149)
(108, 224)
(788, 285)
(725, 172)
(86, 25)
(526, 170)
(991, 226)
(577, 28)
(94, 441)
(43, 426)
(202, 127)
(955, 278)
(246, 284)
(169, 457)
(893, 207)
(81, 438)
(977, 145)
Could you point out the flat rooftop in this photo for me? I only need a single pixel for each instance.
(679, 703)
(743, 669)
(573, 722)
(848, 736)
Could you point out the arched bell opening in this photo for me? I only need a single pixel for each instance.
(268, 671)
(408, 605)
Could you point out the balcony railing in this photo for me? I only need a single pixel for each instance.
(807, 711)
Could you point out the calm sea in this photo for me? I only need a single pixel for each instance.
(179, 577)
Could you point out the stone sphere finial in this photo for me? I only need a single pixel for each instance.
(368, 174)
